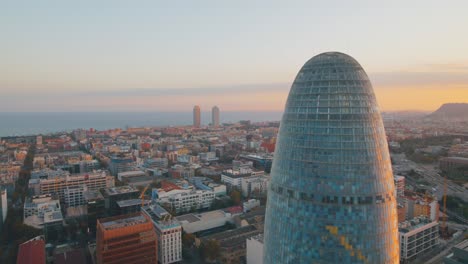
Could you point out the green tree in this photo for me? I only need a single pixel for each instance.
(236, 197)
(211, 250)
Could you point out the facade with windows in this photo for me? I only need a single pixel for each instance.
(331, 197)
(417, 236)
(169, 234)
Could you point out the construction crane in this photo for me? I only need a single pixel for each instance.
(443, 225)
(142, 195)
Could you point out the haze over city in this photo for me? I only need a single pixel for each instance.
(243, 56)
(244, 132)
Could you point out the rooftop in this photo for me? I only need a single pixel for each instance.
(122, 221)
(120, 190)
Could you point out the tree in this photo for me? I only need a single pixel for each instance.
(188, 239)
(211, 250)
(236, 197)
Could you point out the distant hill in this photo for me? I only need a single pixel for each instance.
(452, 111)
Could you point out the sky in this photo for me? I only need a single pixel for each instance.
(72, 56)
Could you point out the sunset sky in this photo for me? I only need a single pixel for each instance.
(240, 55)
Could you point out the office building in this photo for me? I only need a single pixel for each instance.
(331, 197)
(196, 116)
(215, 116)
(115, 194)
(126, 239)
(417, 236)
(169, 233)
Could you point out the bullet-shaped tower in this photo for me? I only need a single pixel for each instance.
(332, 195)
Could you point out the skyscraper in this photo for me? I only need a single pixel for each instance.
(196, 116)
(331, 197)
(215, 116)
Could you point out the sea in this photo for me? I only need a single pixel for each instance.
(28, 123)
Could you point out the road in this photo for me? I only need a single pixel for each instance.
(431, 175)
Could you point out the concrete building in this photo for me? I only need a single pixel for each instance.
(250, 204)
(96, 208)
(93, 181)
(126, 239)
(169, 233)
(450, 163)
(115, 194)
(233, 243)
(417, 236)
(123, 176)
(459, 254)
(73, 196)
(215, 116)
(186, 200)
(196, 116)
(399, 185)
(207, 156)
(193, 223)
(40, 209)
(233, 178)
(255, 249)
(121, 164)
(254, 186)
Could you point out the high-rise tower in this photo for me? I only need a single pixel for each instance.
(215, 116)
(196, 116)
(331, 197)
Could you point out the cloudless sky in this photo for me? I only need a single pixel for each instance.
(240, 55)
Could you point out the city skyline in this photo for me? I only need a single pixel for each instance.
(160, 56)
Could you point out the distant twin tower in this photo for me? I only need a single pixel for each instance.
(197, 116)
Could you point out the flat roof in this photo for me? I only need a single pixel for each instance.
(122, 221)
(120, 190)
(463, 245)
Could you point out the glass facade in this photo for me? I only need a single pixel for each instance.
(332, 195)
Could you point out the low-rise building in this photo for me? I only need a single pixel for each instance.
(40, 210)
(255, 249)
(193, 223)
(233, 243)
(417, 236)
(186, 200)
(459, 254)
(254, 186)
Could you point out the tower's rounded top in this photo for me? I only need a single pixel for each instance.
(332, 58)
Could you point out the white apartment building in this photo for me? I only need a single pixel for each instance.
(417, 236)
(187, 200)
(169, 233)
